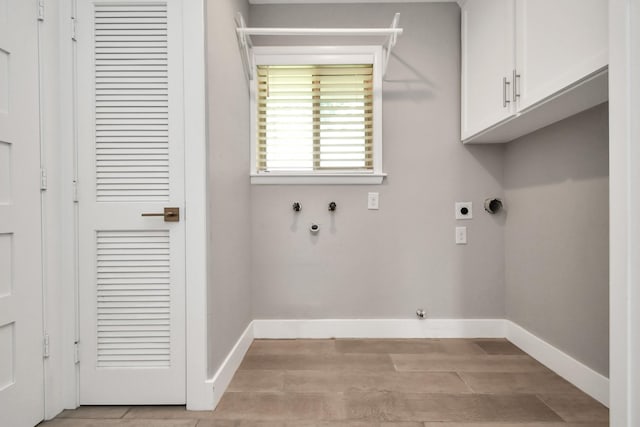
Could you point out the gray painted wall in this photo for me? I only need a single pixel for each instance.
(229, 236)
(557, 235)
(386, 263)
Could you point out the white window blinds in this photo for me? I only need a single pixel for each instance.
(314, 118)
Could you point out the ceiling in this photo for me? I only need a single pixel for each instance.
(348, 1)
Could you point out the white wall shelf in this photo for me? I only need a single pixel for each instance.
(244, 34)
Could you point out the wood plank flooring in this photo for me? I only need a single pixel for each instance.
(375, 383)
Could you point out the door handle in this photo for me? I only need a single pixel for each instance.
(169, 214)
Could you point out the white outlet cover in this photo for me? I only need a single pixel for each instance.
(459, 206)
(461, 235)
(373, 201)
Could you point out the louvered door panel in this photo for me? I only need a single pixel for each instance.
(131, 102)
(134, 296)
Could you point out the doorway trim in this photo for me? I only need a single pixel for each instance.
(199, 389)
(624, 202)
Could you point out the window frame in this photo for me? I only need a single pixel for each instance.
(320, 55)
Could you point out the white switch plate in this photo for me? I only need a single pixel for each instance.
(373, 201)
(461, 235)
(459, 206)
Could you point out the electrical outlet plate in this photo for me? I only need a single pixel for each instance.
(460, 206)
(461, 235)
(373, 201)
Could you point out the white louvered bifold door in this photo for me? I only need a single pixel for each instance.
(130, 162)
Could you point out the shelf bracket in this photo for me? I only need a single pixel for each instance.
(245, 44)
(391, 43)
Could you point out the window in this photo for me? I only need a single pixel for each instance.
(316, 117)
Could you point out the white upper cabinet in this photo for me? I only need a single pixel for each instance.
(529, 63)
(488, 57)
(559, 42)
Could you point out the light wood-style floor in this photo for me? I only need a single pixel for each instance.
(375, 383)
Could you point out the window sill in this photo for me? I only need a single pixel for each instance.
(323, 179)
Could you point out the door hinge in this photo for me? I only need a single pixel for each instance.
(74, 189)
(76, 352)
(43, 179)
(40, 10)
(74, 29)
(45, 346)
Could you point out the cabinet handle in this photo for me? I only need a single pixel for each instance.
(505, 83)
(516, 93)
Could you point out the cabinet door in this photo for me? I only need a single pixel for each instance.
(487, 58)
(559, 43)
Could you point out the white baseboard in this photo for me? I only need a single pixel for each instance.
(379, 328)
(578, 374)
(583, 377)
(228, 368)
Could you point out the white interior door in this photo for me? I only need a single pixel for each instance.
(21, 366)
(130, 162)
